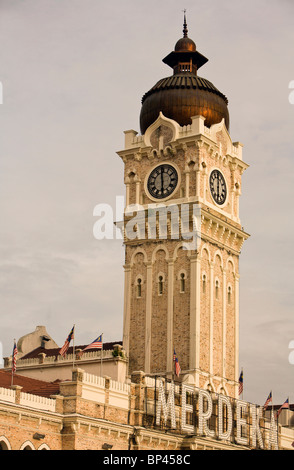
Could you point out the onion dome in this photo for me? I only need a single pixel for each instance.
(184, 94)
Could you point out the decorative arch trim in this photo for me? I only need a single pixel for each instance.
(216, 254)
(4, 440)
(27, 444)
(136, 252)
(159, 248)
(205, 248)
(161, 121)
(44, 447)
(177, 248)
(230, 260)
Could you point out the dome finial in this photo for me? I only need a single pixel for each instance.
(185, 30)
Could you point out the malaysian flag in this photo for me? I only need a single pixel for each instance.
(65, 347)
(177, 365)
(96, 344)
(268, 400)
(284, 406)
(14, 353)
(241, 383)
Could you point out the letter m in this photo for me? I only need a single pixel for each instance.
(167, 407)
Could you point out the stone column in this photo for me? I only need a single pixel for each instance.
(138, 186)
(211, 276)
(187, 184)
(197, 181)
(224, 326)
(126, 314)
(170, 315)
(127, 183)
(17, 389)
(195, 314)
(148, 318)
(237, 278)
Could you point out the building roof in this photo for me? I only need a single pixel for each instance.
(55, 351)
(184, 95)
(29, 385)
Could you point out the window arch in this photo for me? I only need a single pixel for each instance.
(183, 282)
(139, 287)
(217, 286)
(4, 443)
(204, 283)
(27, 446)
(160, 284)
(182, 277)
(44, 447)
(229, 295)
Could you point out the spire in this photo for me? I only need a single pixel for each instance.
(185, 57)
(185, 30)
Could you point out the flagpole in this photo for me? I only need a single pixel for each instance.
(12, 362)
(101, 355)
(73, 350)
(278, 428)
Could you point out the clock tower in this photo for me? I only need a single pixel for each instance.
(183, 177)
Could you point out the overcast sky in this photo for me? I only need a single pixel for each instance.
(73, 75)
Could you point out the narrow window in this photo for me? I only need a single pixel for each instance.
(183, 282)
(204, 284)
(229, 295)
(139, 287)
(160, 285)
(216, 289)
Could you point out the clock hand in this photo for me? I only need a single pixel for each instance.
(161, 179)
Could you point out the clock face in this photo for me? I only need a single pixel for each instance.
(162, 181)
(218, 187)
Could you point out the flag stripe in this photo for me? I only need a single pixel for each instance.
(268, 400)
(284, 406)
(241, 383)
(65, 347)
(96, 344)
(14, 353)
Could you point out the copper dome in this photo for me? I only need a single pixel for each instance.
(184, 45)
(184, 94)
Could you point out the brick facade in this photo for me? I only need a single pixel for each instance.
(199, 321)
(95, 413)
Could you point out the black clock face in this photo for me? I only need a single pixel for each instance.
(162, 181)
(218, 187)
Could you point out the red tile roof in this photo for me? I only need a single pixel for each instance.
(29, 385)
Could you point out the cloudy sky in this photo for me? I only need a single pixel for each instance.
(73, 75)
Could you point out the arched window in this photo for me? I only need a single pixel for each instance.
(4, 443)
(204, 284)
(160, 285)
(27, 446)
(229, 295)
(139, 287)
(183, 282)
(217, 289)
(44, 447)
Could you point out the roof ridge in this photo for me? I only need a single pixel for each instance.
(184, 80)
